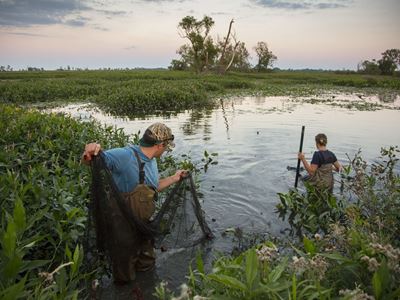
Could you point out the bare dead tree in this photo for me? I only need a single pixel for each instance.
(226, 42)
(233, 53)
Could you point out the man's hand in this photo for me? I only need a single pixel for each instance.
(91, 150)
(180, 174)
(300, 156)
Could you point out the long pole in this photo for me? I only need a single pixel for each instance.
(298, 161)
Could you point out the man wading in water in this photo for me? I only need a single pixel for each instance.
(131, 252)
(322, 164)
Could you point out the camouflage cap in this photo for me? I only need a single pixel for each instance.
(158, 133)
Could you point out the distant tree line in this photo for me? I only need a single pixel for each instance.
(6, 69)
(202, 53)
(387, 65)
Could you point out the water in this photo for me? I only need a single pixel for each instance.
(256, 138)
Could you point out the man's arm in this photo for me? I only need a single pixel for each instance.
(337, 166)
(310, 168)
(166, 182)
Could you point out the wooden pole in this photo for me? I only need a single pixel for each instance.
(298, 161)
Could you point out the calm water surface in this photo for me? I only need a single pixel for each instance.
(256, 138)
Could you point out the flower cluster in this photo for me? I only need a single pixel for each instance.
(356, 294)
(316, 265)
(373, 264)
(267, 254)
(392, 254)
(186, 294)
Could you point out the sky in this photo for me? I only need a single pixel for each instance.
(315, 34)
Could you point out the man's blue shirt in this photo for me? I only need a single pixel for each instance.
(124, 167)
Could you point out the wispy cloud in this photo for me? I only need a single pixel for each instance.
(76, 22)
(220, 13)
(27, 34)
(302, 4)
(112, 12)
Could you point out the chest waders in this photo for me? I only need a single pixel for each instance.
(132, 252)
(323, 176)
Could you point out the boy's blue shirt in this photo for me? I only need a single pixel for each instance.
(124, 167)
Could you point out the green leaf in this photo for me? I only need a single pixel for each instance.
(199, 262)
(77, 259)
(28, 265)
(294, 287)
(68, 252)
(228, 281)
(276, 273)
(19, 217)
(9, 239)
(377, 285)
(336, 256)
(14, 292)
(12, 268)
(251, 267)
(309, 246)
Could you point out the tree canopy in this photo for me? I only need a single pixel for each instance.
(201, 53)
(387, 65)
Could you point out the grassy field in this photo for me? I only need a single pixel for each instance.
(142, 91)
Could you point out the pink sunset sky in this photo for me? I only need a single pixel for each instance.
(92, 34)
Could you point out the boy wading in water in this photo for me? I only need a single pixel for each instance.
(322, 165)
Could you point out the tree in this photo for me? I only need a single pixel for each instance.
(265, 57)
(368, 67)
(238, 56)
(389, 62)
(201, 50)
(178, 65)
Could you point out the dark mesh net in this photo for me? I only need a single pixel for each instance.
(179, 222)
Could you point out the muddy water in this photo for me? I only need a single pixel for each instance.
(256, 139)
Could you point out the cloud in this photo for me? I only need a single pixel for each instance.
(27, 34)
(301, 4)
(77, 22)
(112, 12)
(23, 13)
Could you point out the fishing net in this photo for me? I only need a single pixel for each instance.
(179, 222)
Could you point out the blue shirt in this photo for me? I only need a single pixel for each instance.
(124, 167)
